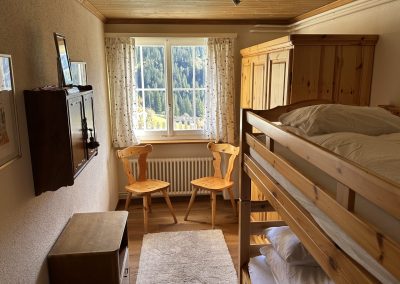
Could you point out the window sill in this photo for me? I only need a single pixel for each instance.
(175, 141)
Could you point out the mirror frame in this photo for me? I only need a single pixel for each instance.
(10, 145)
(64, 63)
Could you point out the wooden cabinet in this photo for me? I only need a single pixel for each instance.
(62, 135)
(302, 67)
(93, 248)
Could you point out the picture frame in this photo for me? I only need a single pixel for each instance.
(63, 60)
(10, 147)
(78, 73)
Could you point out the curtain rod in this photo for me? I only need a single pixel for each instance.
(226, 35)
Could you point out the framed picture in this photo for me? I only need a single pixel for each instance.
(10, 148)
(78, 72)
(63, 60)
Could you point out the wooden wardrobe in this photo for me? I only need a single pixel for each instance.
(302, 67)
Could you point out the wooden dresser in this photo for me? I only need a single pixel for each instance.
(93, 248)
(302, 67)
(293, 68)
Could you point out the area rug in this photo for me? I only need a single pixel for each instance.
(186, 257)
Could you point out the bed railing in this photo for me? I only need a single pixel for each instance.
(351, 179)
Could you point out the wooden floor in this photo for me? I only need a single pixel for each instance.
(160, 220)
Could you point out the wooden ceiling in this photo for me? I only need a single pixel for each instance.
(224, 11)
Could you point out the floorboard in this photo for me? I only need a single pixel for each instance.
(160, 220)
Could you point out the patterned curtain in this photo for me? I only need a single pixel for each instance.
(120, 56)
(220, 97)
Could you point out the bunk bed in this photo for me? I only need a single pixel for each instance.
(351, 244)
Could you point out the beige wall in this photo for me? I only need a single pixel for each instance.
(383, 20)
(29, 225)
(244, 39)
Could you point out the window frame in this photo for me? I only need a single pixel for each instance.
(168, 42)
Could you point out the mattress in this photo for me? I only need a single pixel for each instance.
(363, 208)
(259, 271)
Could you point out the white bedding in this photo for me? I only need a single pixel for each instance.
(260, 272)
(380, 154)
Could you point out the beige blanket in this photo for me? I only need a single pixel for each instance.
(380, 154)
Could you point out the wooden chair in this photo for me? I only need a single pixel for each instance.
(216, 183)
(142, 186)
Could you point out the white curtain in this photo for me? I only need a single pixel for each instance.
(220, 116)
(120, 56)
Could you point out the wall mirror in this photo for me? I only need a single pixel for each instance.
(10, 149)
(63, 60)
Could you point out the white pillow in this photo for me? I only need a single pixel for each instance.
(330, 118)
(294, 274)
(288, 246)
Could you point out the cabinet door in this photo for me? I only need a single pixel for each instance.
(313, 73)
(259, 71)
(89, 118)
(278, 78)
(246, 99)
(75, 111)
(354, 74)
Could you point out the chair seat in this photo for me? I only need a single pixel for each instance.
(147, 186)
(212, 183)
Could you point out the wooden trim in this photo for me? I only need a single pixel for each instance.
(333, 39)
(345, 196)
(244, 180)
(258, 227)
(273, 114)
(379, 191)
(261, 206)
(197, 21)
(244, 234)
(244, 274)
(92, 9)
(254, 249)
(320, 10)
(340, 267)
(379, 246)
(392, 108)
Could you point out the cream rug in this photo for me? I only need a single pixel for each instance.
(186, 257)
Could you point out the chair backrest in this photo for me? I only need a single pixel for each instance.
(128, 152)
(217, 149)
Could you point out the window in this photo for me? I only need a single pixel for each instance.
(170, 86)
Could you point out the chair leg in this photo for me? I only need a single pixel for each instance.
(128, 199)
(232, 201)
(149, 202)
(168, 201)
(213, 208)
(192, 198)
(145, 213)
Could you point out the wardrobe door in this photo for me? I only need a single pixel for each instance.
(246, 98)
(278, 78)
(259, 71)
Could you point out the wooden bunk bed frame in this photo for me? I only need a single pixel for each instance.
(351, 179)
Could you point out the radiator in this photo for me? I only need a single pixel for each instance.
(178, 172)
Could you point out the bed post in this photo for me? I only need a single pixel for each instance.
(244, 196)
